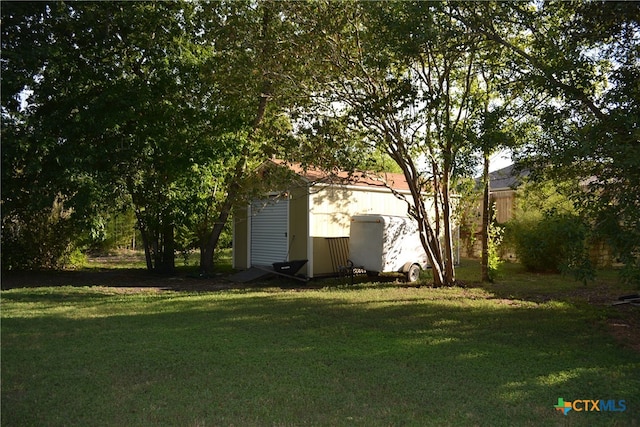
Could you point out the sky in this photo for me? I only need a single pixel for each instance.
(500, 160)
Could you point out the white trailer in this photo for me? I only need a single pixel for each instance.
(386, 243)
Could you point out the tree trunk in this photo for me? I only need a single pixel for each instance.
(168, 261)
(430, 243)
(449, 270)
(486, 210)
(147, 250)
(206, 259)
(436, 192)
(233, 185)
(428, 238)
(145, 239)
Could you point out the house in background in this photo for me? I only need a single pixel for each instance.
(309, 217)
(503, 185)
(503, 189)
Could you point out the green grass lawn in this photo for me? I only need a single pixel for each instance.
(128, 259)
(371, 354)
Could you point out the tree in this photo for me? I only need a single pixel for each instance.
(161, 105)
(584, 57)
(404, 73)
(261, 93)
(496, 125)
(38, 226)
(116, 110)
(278, 58)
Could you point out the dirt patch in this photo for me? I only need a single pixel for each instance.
(117, 278)
(625, 327)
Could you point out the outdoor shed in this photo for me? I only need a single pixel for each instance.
(309, 217)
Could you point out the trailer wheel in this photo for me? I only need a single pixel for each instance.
(413, 273)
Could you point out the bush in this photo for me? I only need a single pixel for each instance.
(555, 243)
(45, 239)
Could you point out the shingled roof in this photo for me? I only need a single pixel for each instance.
(507, 178)
(315, 175)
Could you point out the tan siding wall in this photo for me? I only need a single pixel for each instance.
(321, 257)
(333, 207)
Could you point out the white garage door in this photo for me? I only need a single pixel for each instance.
(269, 237)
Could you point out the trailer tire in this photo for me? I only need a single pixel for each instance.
(413, 273)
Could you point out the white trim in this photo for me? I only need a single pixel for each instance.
(289, 235)
(309, 238)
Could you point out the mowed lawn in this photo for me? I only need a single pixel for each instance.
(369, 354)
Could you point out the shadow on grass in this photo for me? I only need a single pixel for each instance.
(115, 278)
(53, 296)
(374, 357)
(513, 282)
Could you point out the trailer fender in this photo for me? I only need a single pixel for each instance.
(405, 268)
(411, 271)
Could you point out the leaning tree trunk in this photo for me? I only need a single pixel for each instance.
(418, 211)
(147, 249)
(233, 184)
(145, 236)
(233, 189)
(168, 259)
(430, 243)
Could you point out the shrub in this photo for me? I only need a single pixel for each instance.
(554, 243)
(45, 239)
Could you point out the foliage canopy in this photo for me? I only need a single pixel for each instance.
(163, 107)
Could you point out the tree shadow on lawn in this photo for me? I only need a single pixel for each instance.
(514, 281)
(293, 358)
(515, 285)
(136, 278)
